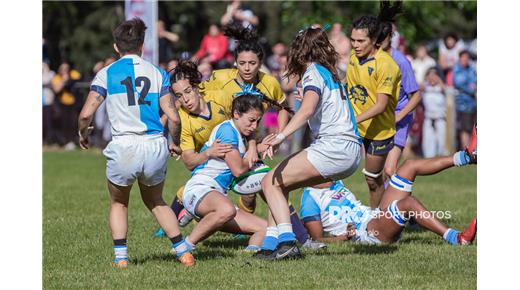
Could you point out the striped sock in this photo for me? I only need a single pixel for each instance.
(450, 236)
(120, 250)
(179, 245)
(286, 233)
(270, 241)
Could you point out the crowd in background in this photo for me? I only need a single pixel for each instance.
(444, 68)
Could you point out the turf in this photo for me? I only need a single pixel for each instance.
(77, 247)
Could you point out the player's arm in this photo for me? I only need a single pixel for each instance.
(378, 108)
(412, 104)
(236, 164)
(192, 159)
(310, 101)
(315, 230)
(251, 155)
(167, 105)
(94, 100)
(283, 117)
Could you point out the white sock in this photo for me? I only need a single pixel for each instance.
(121, 252)
(271, 232)
(285, 228)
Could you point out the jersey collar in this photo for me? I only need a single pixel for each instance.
(203, 117)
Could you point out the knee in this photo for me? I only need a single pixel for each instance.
(390, 170)
(373, 183)
(407, 168)
(226, 213)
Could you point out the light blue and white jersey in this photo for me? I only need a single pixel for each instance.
(217, 168)
(334, 115)
(132, 87)
(336, 207)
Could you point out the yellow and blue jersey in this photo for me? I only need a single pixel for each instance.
(197, 129)
(225, 81)
(132, 87)
(365, 79)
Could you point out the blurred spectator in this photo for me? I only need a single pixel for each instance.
(274, 61)
(49, 136)
(465, 81)
(165, 39)
(434, 125)
(341, 44)
(240, 13)
(449, 48)
(422, 63)
(214, 49)
(68, 104)
(205, 69)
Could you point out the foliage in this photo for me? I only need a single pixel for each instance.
(81, 31)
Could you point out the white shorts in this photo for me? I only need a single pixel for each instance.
(141, 157)
(334, 158)
(196, 189)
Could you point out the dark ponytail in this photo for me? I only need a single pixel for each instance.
(247, 39)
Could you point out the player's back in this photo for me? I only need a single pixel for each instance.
(333, 115)
(132, 88)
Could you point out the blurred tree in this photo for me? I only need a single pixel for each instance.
(81, 31)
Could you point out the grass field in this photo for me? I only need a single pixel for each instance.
(77, 247)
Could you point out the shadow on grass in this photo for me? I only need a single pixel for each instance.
(373, 249)
(232, 243)
(200, 255)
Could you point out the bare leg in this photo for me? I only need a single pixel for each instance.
(388, 230)
(152, 198)
(118, 215)
(247, 223)
(294, 172)
(374, 164)
(391, 160)
(215, 210)
(247, 203)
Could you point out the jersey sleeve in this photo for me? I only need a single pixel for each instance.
(408, 81)
(211, 84)
(309, 211)
(99, 83)
(387, 77)
(187, 142)
(165, 85)
(227, 135)
(312, 81)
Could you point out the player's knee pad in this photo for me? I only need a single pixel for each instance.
(400, 183)
(371, 174)
(397, 216)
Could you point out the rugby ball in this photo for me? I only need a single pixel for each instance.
(250, 182)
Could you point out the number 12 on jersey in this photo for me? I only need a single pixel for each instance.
(139, 82)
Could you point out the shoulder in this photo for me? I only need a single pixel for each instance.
(385, 61)
(268, 80)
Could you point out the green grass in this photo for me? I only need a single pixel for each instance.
(77, 246)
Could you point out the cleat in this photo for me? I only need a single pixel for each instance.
(468, 235)
(287, 251)
(121, 263)
(471, 150)
(187, 259)
(311, 244)
(184, 218)
(264, 255)
(160, 233)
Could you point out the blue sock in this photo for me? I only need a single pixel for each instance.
(270, 241)
(285, 233)
(461, 158)
(180, 246)
(450, 236)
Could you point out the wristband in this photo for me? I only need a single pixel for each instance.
(280, 137)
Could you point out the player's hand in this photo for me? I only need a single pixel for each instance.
(262, 147)
(351, 231)
(83, 138)
(217, 150)
(268, 153)
(175, 151)
(251, 156)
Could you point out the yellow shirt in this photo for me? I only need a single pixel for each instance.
(225, 80)
(378, 74)
(196, 129)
